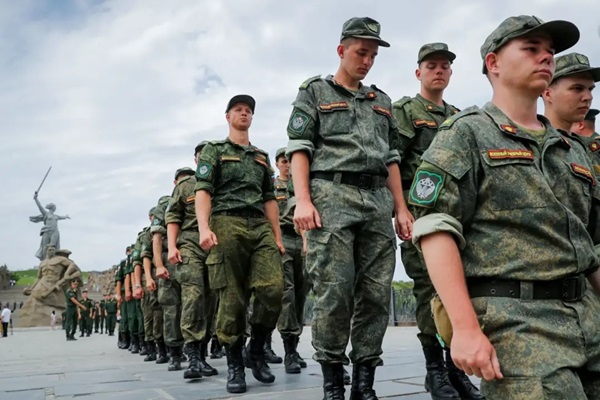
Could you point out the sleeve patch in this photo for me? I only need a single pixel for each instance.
(426, 188)
(298, 122)
(203, 169)
(156, 221)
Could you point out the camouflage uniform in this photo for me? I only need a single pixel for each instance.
(522, 214)
(153, 318)
(120, 277)
(136, 259)
(349, 137)
(133, 322)
(247, 258)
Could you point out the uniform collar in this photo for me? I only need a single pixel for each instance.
(250, 147)
(434, 108)
(364, 92)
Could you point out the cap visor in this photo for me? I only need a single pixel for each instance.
(564, 34)
(450, 55)
(381, 42)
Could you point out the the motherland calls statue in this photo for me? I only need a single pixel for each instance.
(49, 232)
(48, 292)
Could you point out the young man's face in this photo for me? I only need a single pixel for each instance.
(525, 63)
(434, 73)
(358, 58)
(282, 165)
(84, 294)
(571, 97)
(74, 285)
(240, 116)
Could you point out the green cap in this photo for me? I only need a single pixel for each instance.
(152, 211)
(280, 152)
(164, 198)
(184, 171)
(591, 115)
(564, 34)
(200, 146)
(74, 280)
(363, 28)
(84, 290)
(574, 63)
(241, 98)
(435, 48)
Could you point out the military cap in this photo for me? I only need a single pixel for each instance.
(63, 252)
(280, 152)
(200, 146)
(84, 290)
(574, 63)
(184, 171)
(435, 48)
(74, 280)
(564, 34)
(128, 248)
(241, 98)
(363, 28)
(164, 198)
(152, 211)
(591, 115)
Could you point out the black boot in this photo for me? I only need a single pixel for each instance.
(290, 362)
(120, 341)
(162, 357)
(256, 355)
(363, 377)
(135, 344)
(73, 337)
(333, 381)
(347, 379)
(236, 377)
(126, 341)
(205, 367)
(270, 355)
(436, 380)
(175, 362)
(193, 369)
(151, 348)
(143, 347)
(300, 359)
(461, 382)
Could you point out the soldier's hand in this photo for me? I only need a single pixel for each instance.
(306, 216)
(473, 353)
(174, 256)
(162, 272)
(150, 284)
(84, 308)
(208, 239)
(138, 293)
(281, 247)
(127, 295)
(404, 223)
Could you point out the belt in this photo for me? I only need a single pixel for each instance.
(288, 230)
(569, 289)
(362, 181)
(243, 213)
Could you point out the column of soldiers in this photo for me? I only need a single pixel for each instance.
(497, 209)
(90, 316)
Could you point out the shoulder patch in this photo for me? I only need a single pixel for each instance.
(450, 121)
(400, 103)
(298, 122)
(203, 169)
(307, 82)
(426, 188)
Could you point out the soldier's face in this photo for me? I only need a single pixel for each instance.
(525, 64)
(571, 97)
(283, 165)
(358, 58)
(51, 251)
(240, 116)
(434, 73)
(84, 294)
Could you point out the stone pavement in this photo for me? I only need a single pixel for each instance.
(39, 364)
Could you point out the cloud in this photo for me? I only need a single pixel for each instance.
(116, 94)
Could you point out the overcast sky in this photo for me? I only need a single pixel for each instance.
(116, 94)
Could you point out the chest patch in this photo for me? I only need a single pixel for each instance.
(337, 105)
(500, 154)
(584, 172)
(419, 123)
(382, 111)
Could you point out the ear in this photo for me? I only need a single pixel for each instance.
(418, 74)
(227, 116)
(546, 95)
(491, 62)
(340, 50)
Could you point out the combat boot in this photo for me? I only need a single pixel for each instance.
(135, 344)
(256, 356)
(363, 377)
(216, 349)
(193, 370)
(300, 359)
(143, 347)
(460, 381)
(73, 337)
(290, 361)
(206, 368)
(126, 341)
(333, 381)
(236, 377)
(162, 357)
(151, 348)
(175, 362)
(270, 355)
(436, 380)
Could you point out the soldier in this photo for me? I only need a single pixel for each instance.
(418, 119)
(124, 338)
(587, 127)
(514, 210)
(73, 305)
(342, 147)
(63, 316)
(235, 191)
(138, 288)
(110, 314)
(85, 317)
(92, 320)
(291, 319)
(197, 304)
(103, 313)
(97, 313)
(134, 320)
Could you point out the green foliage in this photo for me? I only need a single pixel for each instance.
(28, 276)
(399, 285)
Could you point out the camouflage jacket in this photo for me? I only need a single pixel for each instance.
(517, 209)
(237, 177)
(342, 131)
(158, 224)
(181, 209)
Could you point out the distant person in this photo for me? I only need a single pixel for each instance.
(20, 305)
(6, 318)
(53, 320)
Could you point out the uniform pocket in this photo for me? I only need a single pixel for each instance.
(217, 276)
(514, 388)
(318, 235)
(189, 273)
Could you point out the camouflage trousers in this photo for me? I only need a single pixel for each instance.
(124, 321)
(423, 291)
(169, 299)
(548, 349)
(153, 316)
(350, 263)
(246, 262)
(132, 319)
(291, 318)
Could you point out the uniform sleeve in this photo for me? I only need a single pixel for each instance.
(303, 124)
(406, 131)
(147, 245)
(158, 221)
(136, 253)
(176, 208)
(444, 190)
(393, 142)
(208, 164)
(268, 186)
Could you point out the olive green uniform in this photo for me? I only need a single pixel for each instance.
(85, 323)
(136, 258)
(102, 315)
(111, 317)
(71, 312)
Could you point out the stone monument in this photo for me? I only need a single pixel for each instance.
(48, 292)
(49, 232)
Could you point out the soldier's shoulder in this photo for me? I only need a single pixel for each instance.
(374, 87)
(309, 81)
(261, 152)
(187, 180)
(463, 116)
(404, 101)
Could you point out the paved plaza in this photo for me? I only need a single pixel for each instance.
(38, 364)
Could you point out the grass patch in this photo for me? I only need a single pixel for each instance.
(28, 276)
